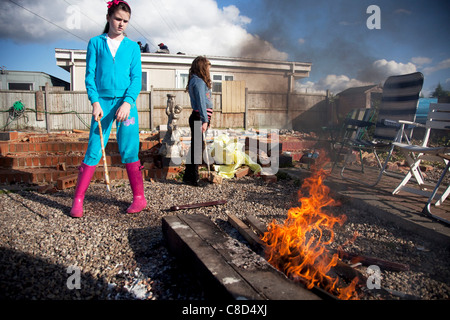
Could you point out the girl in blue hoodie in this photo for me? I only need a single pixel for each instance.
(113, 83)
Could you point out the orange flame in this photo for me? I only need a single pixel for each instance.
(298, 246)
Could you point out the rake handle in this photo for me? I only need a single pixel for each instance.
(105, 166)
(207, 155)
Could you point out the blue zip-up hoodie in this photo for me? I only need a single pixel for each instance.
(109, 77)
(201, 98)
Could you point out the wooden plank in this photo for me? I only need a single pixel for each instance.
(219, 278)
(268, 281)
(226, 94)
(247, 233)
(233, 96)
(256, 224)
(201, 244)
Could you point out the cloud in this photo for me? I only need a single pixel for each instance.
(420, 61)
(45, 21)
(393, 68)
(403, 11)
(381, 69)
(194, 26)
(445, 64)
(332, 82)
(375, 73)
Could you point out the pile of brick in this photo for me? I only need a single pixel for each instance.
(38, 158)
(54, 158)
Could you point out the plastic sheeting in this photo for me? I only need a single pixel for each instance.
(228, 155)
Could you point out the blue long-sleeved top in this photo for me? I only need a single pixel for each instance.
(201, 98)
(109, 77)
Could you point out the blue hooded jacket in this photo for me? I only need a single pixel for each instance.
(108, 77)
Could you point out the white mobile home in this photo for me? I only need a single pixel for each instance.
(170, 71)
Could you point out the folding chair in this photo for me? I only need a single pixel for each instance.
(438, 119)
(354, 127)
(398, 106)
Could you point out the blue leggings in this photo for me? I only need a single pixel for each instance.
(127, 133)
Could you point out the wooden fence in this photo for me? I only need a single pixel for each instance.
(66, 110)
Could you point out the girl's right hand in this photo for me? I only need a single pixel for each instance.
(97, 111)
(204, 127)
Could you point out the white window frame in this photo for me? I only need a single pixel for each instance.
(223, 76)
(179, 78)
(147, 80)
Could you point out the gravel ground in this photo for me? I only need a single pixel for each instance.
(120, 256)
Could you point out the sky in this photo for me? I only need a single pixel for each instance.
(350, 43)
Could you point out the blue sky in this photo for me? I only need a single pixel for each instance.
(332, 35)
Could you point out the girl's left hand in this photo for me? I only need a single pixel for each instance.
(123, 112)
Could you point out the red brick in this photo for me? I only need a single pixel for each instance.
(269, 178)
(48, 177)
(6, 162)
(54, 160)
(76, 161)
(67, 181)
(39, 177)
(172, 170)
(296, 156)
(4, 148)
(242, 172)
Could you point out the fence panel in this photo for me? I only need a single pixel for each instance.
(68, 110)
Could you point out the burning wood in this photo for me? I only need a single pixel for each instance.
(367, 261)
(298, 246)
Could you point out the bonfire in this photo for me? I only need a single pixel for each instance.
(298, 246)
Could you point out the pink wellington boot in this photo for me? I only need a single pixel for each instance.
(84, 178)
(137, 186)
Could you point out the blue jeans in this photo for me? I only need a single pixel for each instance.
(127, 133)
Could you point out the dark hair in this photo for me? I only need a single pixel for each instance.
(113, 8)
(199, 68)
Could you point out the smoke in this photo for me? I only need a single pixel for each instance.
(193, 27)
(334, 37)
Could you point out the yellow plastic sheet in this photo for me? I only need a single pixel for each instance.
(228, 155)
